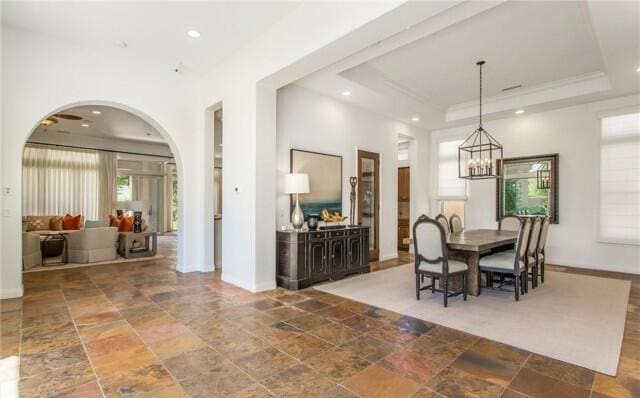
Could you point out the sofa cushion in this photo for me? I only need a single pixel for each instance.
(38, 223)
(114, 221)
(56, 223)
(96, 224)
(71, 222)
(126, 224)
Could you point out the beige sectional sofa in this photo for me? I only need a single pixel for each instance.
(92, 245)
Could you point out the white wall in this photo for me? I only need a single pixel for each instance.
(310, 121)
(73, 75)
(573, 133)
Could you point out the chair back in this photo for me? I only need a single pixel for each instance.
(544, 233)
(455, 222)
(429, 242)
(534, 237)
(443, 221)
(510, 223)
(521, 245)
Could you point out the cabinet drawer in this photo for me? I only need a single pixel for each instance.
(354, 232)
(336, 234)
(317, 235)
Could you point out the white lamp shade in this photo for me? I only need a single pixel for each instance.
(296, 183)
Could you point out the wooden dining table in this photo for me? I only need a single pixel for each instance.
(467, 246)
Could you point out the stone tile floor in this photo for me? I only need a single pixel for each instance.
(141, 329)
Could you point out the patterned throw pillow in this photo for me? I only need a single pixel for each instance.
(37, 223)
(126, 224)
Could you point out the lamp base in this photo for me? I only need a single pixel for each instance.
(297, 217)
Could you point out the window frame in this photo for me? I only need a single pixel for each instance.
(435, 156)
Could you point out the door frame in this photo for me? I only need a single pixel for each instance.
(374, 254)
(400, 244)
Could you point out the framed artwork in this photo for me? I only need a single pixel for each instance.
(325, 181)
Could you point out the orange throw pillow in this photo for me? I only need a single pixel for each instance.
(113, 220)
(126, 224)
(71, 222)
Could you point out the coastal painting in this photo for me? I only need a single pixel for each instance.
(325, 181)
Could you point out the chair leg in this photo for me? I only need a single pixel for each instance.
(517, 286)
(446, 290)
(542, 272)
(433, 285)
(464, 287)
(418, 276)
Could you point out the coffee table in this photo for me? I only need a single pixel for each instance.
(148, 244)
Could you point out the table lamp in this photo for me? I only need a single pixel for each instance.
(296, 183)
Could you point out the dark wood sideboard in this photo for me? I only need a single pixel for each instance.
(305, 257)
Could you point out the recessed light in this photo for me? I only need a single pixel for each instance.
(96, 112)
(346, 93)
(638, 70)
(85, 124)
(519, 111)
(193, 33)
(415, 118)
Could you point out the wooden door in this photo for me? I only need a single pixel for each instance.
(369, 198)
(404, 193)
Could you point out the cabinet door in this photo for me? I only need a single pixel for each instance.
(354, 252)
(337, 260)
(318, 259)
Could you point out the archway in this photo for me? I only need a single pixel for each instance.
(137, 142)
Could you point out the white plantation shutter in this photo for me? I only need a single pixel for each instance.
(620, 179)
(450, 186)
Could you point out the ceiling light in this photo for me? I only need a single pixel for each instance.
(346, 93)
(638, 70)
(84, 125)
(477, 154)
(415, 118)
(193, 33)
(519, 111)
(96, 112)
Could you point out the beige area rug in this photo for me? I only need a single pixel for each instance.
(119, 260)
(573, 318)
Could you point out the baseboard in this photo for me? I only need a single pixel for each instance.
(264, 286)
(236, 282)
(612, 268)
(11, 293)
(390, 256)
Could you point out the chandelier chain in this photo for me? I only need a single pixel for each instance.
(481, 94)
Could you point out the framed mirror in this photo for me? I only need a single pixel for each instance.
(528, 186)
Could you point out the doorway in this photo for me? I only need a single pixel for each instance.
(404, 194)
(217, 187)
(369, 199)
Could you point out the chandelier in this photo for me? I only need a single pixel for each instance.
(478, 154)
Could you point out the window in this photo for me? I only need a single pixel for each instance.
(620, 179)
(403, 150)
(124, 188)
(450, 185)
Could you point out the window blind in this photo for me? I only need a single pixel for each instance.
(449, 184)
(620, 179)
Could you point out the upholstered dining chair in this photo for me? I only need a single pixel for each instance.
(443, 221)
(510, 223)
(532, 251)
(512, 263)
(542, 243)
(455, 222)
(432, 259)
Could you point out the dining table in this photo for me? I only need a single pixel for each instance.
(467, 246)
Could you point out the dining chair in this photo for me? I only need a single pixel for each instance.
(531, 262)
(455, 222)
(510, 223)
(443, 221)
(432, 259)
(511, 263)
(542, 243)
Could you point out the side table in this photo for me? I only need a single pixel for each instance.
(148, 244)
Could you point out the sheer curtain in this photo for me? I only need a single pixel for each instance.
(56, 181)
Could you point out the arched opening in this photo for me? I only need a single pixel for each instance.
(100, 185)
